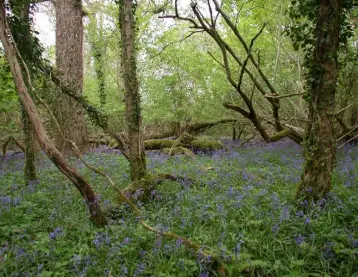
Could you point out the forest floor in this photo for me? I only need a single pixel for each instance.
(240, 205)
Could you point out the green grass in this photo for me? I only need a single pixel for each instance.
(241, 206)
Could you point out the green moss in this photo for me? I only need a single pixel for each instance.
(179, 151)
(153, 144)
(201, 144)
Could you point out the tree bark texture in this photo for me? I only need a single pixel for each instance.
(137, 157)
(69, 62)
(30, 148)
(29, 134)
(81, 184)
(320, 140)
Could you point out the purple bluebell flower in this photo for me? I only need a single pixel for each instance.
(299, 239)
(58, 231)
(178, 243)
(300, 213)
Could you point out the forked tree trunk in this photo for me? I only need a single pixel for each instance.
(137, 157)
(320, 144)
(81, 184)
(69, 63)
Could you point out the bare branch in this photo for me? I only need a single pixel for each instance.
(248, 56)
(220, 63)
(342, 110)
(237, 109)
(175, 42)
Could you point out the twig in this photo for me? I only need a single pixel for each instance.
(211, 55)
(342, 110)
(174, 42)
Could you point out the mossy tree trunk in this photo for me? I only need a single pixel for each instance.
(69, 63)
(30, 148)
(98, 49)
(29, 133)
(320, 140)
(137, 157)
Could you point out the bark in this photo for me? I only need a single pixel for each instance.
(96, 115)
(69, 62)
(29, 134)
(256, 121)
(29, 106)
(320, 141)
(30, 149)
(137, 157)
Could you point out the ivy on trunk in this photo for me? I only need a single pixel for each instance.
(137, 157)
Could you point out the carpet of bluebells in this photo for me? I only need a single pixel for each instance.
(240, 205)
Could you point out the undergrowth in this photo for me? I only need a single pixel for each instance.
(241, 205)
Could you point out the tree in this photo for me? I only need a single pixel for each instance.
(326, 34)
(69, 62)
(22, 86)
(249, 66)
(97, 41)
(20, 24)
(137, 157)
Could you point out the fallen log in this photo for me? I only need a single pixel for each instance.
(179, 151)
(197, 144)
(175, 129)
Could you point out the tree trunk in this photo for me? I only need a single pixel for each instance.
(320, 141)
(30, 149)
(98, 49)
(29, 106)
(29, 135)
(137, 157)
(69, 62)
